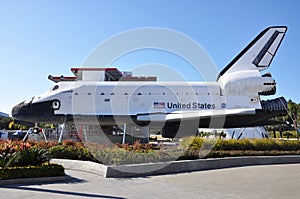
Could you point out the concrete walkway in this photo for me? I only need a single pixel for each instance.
(272, 181)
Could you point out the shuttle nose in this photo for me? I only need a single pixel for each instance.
(22, 111)
(37, 112)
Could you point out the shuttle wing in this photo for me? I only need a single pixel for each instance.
(224, 118)
(193, 115)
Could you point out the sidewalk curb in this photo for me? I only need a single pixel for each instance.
(34, 180)
(161, 168)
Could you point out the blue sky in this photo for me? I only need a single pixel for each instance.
(38, 38)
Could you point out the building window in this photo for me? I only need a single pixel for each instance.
(55, 87)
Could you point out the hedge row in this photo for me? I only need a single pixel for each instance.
(188, 148)
(71, 152)
(207, 148)
(118, 156)
(113, 154)
(258, 145)
(45, 170)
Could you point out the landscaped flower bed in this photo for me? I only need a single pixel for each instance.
(188, 148)
(244, 147)
(26, 160)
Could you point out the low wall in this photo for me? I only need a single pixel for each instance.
(147, 169)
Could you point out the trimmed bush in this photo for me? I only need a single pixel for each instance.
(71, 152)
(236, 153)
(228, 148)
(258, 145)
(119, 156)
(45, 170)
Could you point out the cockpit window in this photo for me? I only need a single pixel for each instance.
(55, 87)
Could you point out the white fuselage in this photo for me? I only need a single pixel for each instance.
(132, 98)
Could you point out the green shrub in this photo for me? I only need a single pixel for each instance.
(191, 142)
(289, 145)
(237, 153)
(117, 156)
(4, 159)
(265, 145)
(257, 145)
(71, 152)
(44, 170)
(30, 157)
(233, 144)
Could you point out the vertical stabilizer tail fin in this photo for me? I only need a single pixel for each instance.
(259, 54)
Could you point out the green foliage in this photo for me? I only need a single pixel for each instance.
(284, 134)
(293, 118)
(71, 152)
(125, 154)
(232, 147)
(29, 157)
(294, 112)
(4, 159)
(136, 146)
(236, 153)
(17, 153)
(8, 123)
(4, 122)
(26, 160)
(191, 142)
(257, 145)
(290, 145)
(189, 148)
(44, 170)
(232, 144)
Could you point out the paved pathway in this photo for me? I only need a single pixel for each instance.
(276, 181)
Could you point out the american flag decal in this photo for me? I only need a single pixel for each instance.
(159, 105)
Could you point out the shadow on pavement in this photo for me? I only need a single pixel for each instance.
(62, 192)
(72, 180)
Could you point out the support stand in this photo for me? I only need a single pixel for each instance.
(62, 130)
(124, 134)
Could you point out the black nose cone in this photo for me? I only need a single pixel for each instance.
(22, 111)
(41, 112)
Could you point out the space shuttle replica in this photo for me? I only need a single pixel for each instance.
(107, 97)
